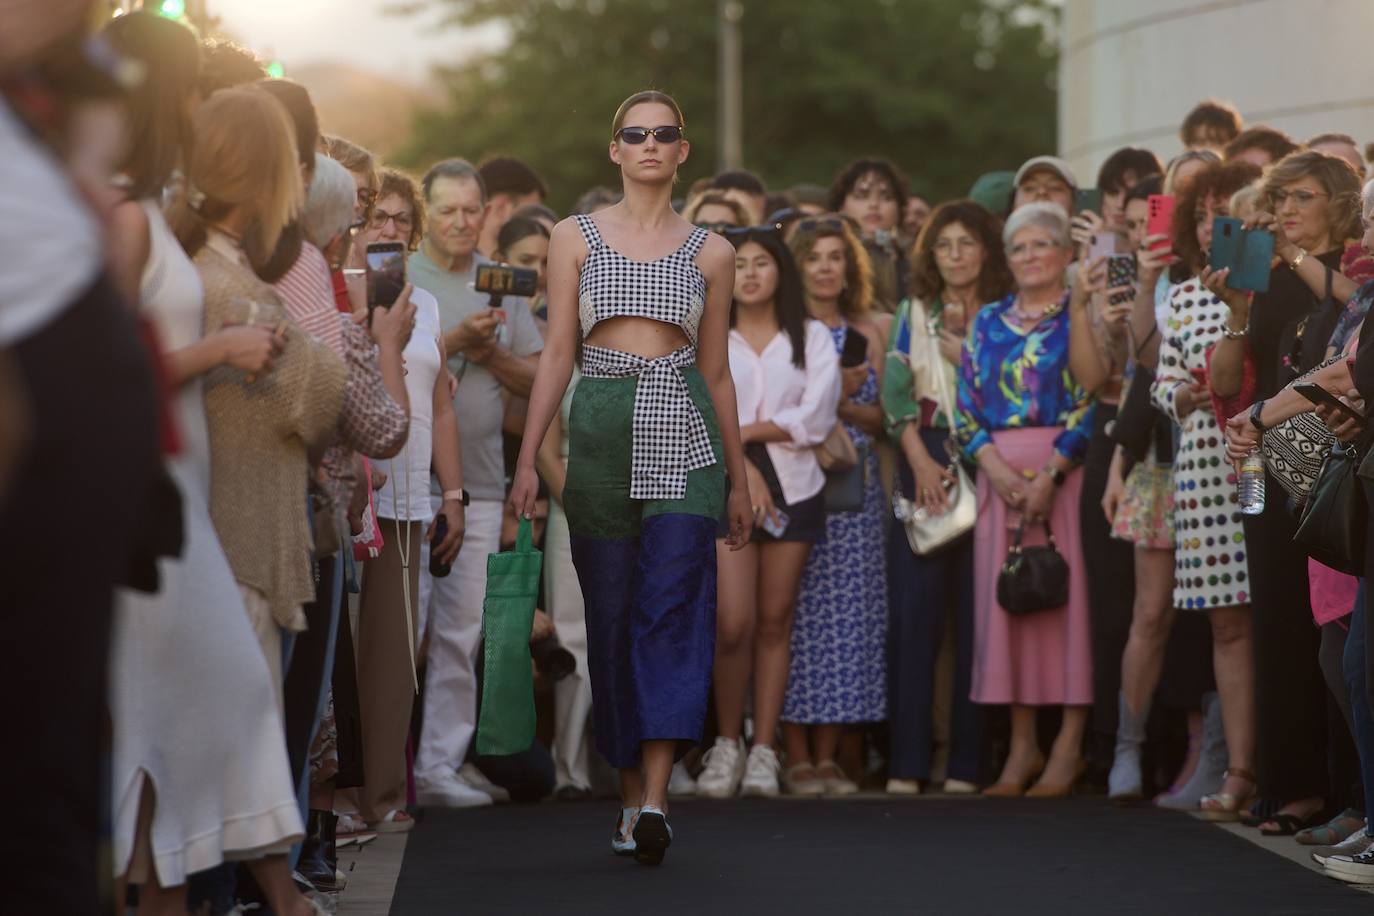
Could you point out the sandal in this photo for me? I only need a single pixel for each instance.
(795, 783)
(1289, 824)
(1337, 830)
(834, 780)
(1225, 807)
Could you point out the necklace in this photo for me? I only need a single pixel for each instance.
(1029, 319)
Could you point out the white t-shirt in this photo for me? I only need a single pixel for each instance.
(408, 472)
(50, 246)
(769, 386)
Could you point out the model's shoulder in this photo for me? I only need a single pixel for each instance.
(717, 252)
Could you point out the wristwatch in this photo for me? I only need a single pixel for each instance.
(461, 495)
(1255, 420)
(1055, 474)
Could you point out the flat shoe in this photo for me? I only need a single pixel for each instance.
(1289, 824)
(652, 836)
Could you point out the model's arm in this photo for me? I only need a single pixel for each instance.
(549, 460)
(556, 362)
(717, 260)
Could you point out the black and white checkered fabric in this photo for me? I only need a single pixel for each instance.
(670, 436)
(670, 289)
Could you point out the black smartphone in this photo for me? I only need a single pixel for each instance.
(386, 273)
(855, 349)
(437, 569)
(1087, 199)
(1319, 395)
(1121, 271)
(503, 280)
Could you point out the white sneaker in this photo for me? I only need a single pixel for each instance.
(448, 791)
(478, 780)
(680, 782)
(1352, 845)
(1356, 869)
(903, 787)
(760, 773)
(724, 767)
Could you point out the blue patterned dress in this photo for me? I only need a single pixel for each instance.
(839, 633)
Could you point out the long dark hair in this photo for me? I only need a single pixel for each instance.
(789, 302)
(994, 280)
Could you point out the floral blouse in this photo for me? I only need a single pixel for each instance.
(1012, 378)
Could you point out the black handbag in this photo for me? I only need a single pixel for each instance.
(844, 490)
(1332, 527)
(1138, 421)
(1032, 578)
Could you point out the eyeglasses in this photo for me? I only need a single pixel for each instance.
(367, 196)
(1030, 249)
(403, 221)
(637, 135)
(1301, 197)
(947, 247)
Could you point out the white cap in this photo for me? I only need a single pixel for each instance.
(1053, 163)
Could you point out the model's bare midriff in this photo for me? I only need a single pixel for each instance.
(644, 337)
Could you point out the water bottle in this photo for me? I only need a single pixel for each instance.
(1250, 486)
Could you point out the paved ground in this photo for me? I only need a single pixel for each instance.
(871, 854)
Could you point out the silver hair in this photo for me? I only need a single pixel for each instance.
(456, 169)
(329, 203)
(1042, 215)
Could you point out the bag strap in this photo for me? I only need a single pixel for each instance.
(524, 536)
(941, 379)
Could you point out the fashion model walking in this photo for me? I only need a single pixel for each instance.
(646, 296)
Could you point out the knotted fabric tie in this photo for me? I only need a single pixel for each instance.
(670, 436)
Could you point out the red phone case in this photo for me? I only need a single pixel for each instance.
(1161, 207)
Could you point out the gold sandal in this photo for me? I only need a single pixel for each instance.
(1225, 807)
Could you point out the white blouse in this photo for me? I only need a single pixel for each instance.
(769, 386)
(405, 495)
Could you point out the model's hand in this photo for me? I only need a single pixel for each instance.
(739, 512)
(524, 491)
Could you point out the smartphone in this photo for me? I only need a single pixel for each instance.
(438, 569)
(1247, 252)
(855, 350)
(386, 273)
(777, 528)
(1101, 245)
(502, 280)
(1087, 199)
(1121, 271)
(1319, 395)
(1161, 215)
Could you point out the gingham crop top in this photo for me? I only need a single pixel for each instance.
(670, 289)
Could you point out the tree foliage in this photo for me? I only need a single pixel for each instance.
(947, 89)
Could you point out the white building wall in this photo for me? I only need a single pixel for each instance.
(1131, 69)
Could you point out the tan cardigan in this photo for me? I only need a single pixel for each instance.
(260, 434)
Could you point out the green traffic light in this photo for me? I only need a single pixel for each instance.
(172, 9)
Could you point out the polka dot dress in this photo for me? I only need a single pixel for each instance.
(1209, 543)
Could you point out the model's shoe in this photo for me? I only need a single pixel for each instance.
(960, 787)
(724, 768)
(623, 840)
(1043, 789)
(903, 787)
(680, 782)
(474, 777)
(802, 779)
(1004, 789)
(1225, 807)
(1353, 845)
(1356, 869)
(448, 791)
(834, 780)
(1211, 765)
(1125, 782)
(652, 836)
(760, 773)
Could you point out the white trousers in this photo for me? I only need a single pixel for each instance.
(572, 695)
(455, 631)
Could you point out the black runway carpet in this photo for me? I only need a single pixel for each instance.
(862, 856)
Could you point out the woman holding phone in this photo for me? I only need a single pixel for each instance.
(787, 380)
(839, 635)
(646, 296)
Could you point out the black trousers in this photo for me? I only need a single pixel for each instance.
(1290, 693)
(69, 521)
(1111, 583)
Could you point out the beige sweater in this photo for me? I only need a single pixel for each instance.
(260, 434)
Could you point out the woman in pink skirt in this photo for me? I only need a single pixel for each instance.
(1026, 422)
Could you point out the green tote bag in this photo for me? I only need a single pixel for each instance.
(505, 724)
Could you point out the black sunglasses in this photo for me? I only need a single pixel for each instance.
(821, 222)
(637, 135)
